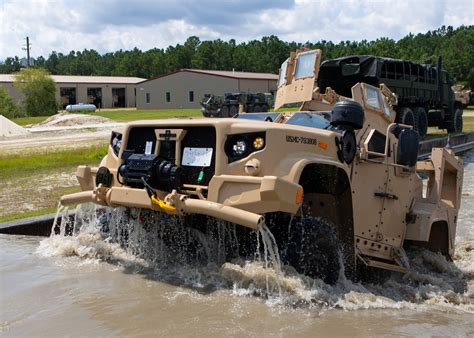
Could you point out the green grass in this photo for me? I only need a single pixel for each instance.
(34, 213)
(124, 115)
(23, 121)
(14, 165)
(132, 115)
(50, 198)
(468, 123)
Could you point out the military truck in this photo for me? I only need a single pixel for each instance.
(424, 94)
(339, 176)
(228, 105)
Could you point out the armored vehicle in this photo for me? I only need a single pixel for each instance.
(228, 105)
(339, 176)
(424, 94)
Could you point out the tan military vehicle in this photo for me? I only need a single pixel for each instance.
(338, 175)
(462, 95)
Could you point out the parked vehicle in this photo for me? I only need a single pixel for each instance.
(424, 94)
(228, 105)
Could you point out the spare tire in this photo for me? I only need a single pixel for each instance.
(347, 114)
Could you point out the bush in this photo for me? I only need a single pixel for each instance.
(39, 91)
(7, 107)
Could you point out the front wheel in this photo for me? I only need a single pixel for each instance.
(313, 249)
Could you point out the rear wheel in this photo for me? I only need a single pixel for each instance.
(264, 108)
(257, 108)
(405, 116)
(421, 121)
(456, 122)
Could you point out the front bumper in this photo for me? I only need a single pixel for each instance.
(237, 199)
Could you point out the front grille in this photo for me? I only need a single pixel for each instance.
(196, 137)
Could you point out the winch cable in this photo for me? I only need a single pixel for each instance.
(155, 200)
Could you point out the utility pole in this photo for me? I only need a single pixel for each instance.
(27, 48)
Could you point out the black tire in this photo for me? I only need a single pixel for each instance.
(225, 111)
(347, 114)
(456, 122)
(405, 116)
(421, 121)
(264, 108)
(257, 109)
(234, 110)
(313, 250)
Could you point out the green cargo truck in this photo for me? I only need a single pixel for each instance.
(425, 97)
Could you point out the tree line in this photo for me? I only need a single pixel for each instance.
(456, 46)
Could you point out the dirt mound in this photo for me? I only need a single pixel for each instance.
(67, 119)
(10, 129)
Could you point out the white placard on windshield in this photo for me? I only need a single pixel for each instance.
(197, 157)
(148, 147)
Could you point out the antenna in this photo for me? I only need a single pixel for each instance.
(27, 48)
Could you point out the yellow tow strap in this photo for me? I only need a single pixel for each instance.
(166, 207)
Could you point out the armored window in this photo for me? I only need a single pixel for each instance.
(283, 68)
(168, 97)
(305, 65)
(147, 97)
(191, 96)
(377, 143)
(373, 98)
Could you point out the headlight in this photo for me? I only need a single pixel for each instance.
(240, 146)
(116, 142)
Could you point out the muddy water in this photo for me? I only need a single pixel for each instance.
(87, 285)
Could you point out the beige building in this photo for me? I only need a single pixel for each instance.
(103, 91)
(186, 87)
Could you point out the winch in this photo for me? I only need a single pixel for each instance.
(157, 171)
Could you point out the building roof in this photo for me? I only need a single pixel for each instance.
(83, 79)
(224, 73)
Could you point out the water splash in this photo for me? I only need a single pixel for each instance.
(200, 257)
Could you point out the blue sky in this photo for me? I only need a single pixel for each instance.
(109, 25)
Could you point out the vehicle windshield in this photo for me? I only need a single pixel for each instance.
(270, 117)
(313, 120)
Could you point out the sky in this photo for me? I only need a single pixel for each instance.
(110, 25)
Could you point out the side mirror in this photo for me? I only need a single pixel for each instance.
(407, 153)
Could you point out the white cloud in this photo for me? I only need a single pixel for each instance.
(109, 25)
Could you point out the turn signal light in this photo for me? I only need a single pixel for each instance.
(258, 143)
